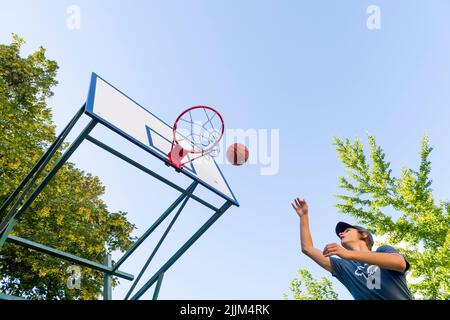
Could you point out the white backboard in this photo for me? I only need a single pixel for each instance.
(123, 115)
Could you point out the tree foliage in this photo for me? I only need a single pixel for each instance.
(420, 224)
(69, 214)
(308, 288)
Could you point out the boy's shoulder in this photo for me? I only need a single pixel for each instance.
(386, 248)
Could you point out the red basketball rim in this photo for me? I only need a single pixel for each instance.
(175, 125)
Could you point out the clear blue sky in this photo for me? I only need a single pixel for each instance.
(311, 69)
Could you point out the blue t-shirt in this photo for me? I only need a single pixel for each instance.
(370, 282)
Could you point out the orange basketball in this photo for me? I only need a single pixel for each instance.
(237, 154)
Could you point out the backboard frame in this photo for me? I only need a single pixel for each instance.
(189, 171)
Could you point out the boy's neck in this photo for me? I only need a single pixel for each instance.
(360, 247)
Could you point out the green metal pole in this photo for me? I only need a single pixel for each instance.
(45, 157)
(146, 170)
(52, 172)
(107, 282)
(158, 286)
(5, 234)
(37, 169)
(68, 257)
(153, 227)
(182, 250)
(8, 297)
(163, 237)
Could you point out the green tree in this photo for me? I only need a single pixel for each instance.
(420, 224)
(69, 214)
(308, 288)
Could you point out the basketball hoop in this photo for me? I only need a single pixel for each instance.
(196, 132)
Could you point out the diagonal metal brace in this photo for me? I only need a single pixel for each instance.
(16, 214)
(155, 225)
(182, 250)
(146, 170)
(163, 237)
(68, 257)
(42, 162)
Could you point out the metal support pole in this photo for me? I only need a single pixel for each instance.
(107, 282)
(42, 162)
(52, 172)
(33, 175)
(158, 286)
(5, 234)
(163, 237)
(182, 250)
(154, 226)
(12, 298)
(25, 243)
(146, 170)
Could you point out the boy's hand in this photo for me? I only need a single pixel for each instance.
(300, 206)
(334, 249)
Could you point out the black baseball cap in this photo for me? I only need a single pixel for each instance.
(342, 226)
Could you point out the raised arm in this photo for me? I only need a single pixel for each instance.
(301, 208)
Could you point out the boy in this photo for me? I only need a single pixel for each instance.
(366, 274)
